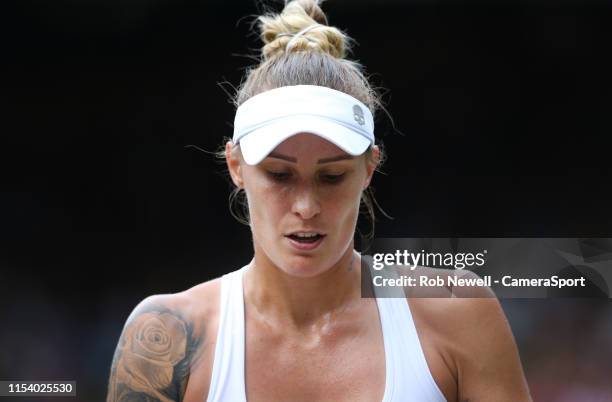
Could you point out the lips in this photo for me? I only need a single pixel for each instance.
(305, 237)
(305, 240)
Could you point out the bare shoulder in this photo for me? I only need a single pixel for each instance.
(473, 336)
(459, 319)
(202, 306)
(463, 314)
(163, 340)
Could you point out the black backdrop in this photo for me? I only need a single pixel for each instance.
(502, 128)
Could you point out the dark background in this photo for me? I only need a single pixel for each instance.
(502, 128)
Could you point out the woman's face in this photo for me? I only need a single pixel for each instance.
(303, 201)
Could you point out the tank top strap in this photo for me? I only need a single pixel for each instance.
(408, 375)
(227, 379)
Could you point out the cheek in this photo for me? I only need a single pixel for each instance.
(342, 204)
(266, 201)
(350, 215)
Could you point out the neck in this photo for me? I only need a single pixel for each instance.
(302, 302)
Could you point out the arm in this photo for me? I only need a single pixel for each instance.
(488, 364)
(154, 354)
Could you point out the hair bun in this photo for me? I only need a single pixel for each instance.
(280, 30)
(313, 10)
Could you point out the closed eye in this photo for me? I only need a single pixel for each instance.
(333, 178)
(278, 176)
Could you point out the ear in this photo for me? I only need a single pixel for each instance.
(232, 158)
(371, 165)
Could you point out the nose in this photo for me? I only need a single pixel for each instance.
(306, 203)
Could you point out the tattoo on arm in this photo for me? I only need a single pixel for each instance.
(153, 358)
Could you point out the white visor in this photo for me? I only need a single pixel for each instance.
(269, 118)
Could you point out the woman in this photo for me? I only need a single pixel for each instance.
(292, 325)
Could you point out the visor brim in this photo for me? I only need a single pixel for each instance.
(258, 144)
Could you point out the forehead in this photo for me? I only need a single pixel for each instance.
(306, 146)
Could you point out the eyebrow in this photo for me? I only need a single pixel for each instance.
(323, 160)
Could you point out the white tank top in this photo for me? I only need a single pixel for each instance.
(408, 378)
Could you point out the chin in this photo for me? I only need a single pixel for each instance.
(304, 266)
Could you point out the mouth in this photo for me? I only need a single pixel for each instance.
(305, 240)
(305, 237)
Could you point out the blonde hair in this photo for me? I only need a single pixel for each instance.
(300, 48)
(315, 57)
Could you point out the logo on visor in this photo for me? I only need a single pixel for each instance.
(358, 115)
